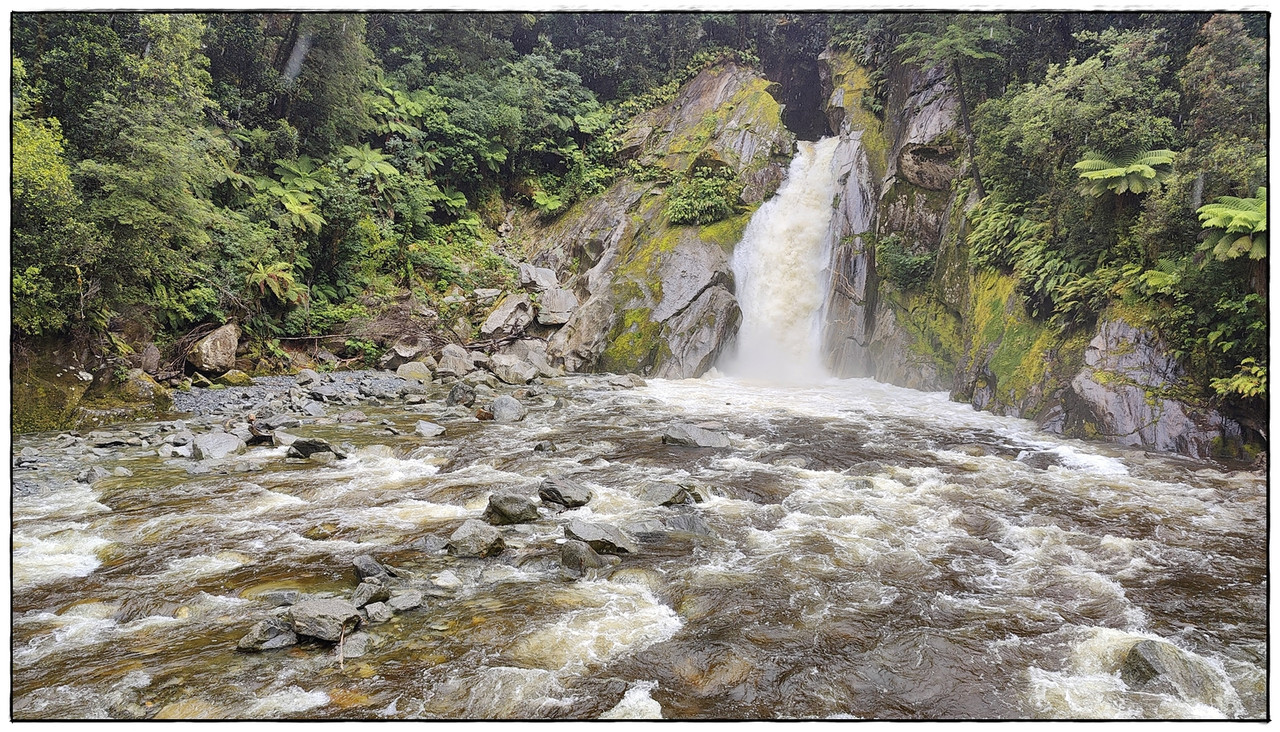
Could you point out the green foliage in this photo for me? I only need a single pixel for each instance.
(705, 195)
(1137, 172)
(904, 270)
(1249, 381)
(1239, 226)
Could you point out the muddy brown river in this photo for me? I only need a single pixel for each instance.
(861, 552)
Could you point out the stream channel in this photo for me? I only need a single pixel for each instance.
(860, 551)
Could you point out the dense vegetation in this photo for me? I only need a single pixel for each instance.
(293, 170)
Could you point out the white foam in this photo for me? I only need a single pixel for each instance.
(637, 703)
(292, 700)
(604, 621)
(46, 553)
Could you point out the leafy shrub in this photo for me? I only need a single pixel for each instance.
(706, 195)
(904, 270)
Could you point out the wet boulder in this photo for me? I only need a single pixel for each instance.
(428, 429)
(564, 492)
(578, 557)
(669, 494)
(366, 567)
(214, 445)
(1162, 668)
(475, 539)
(327, 619)
(508, 409)
(356, 645)
(461, 393)
(378, 612)
(510, 508)
(216, 352)
(689, 523)
(603, 538)
(406, 600)
(268, 635)
(93, 474)
(690, 435)
(367, 592)
(305, 447)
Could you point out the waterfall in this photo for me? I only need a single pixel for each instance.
(780, 271)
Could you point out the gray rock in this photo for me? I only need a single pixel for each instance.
(326, 619)
(306, 376)
(693, 436)
(355, 645)
(454, 364)
(428, 429)
(268, 635)
(461, 393)
(378, 612)
(305, 447)
(279, 421)
(216, 352)
(669, 494)
(544, 446)
(510, 508)
(513, 370)
(406, 600)
(555, 307)
(512, 315)
(603, 538)
(564, 491)
(280, 438)
(398, 355)
(578, 557)
(214, 445)
(690, 523)
(324, 458)
(355, 415)
(367, 592)
(508, 409)
(313, 409)
(1163, 668)
(1121, 393)
(475, 539)
(366, 567)
(415, 370)
(150, 358)
(537, 278)
(93, 474)
(280, 598)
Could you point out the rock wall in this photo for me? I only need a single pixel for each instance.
(657, 298)
(966, 331)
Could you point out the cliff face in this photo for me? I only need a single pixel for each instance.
(657, 298)
(966, 330)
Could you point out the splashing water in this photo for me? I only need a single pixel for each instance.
(780, 268)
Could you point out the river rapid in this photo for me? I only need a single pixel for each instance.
(861, 552)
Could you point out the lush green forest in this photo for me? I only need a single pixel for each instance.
(295, 170)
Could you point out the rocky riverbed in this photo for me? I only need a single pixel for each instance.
(363, 545)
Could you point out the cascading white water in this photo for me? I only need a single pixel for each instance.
(779, 268)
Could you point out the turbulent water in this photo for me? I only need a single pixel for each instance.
(873, 552)
(779, 270)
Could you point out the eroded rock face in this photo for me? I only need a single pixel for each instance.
(216, 352)
(1122, 393)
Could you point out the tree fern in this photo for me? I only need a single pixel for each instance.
(1134, 173)
(1239, 226)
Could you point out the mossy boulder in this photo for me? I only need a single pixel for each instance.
(234, 377)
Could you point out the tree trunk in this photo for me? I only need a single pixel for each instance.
(968, 129)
